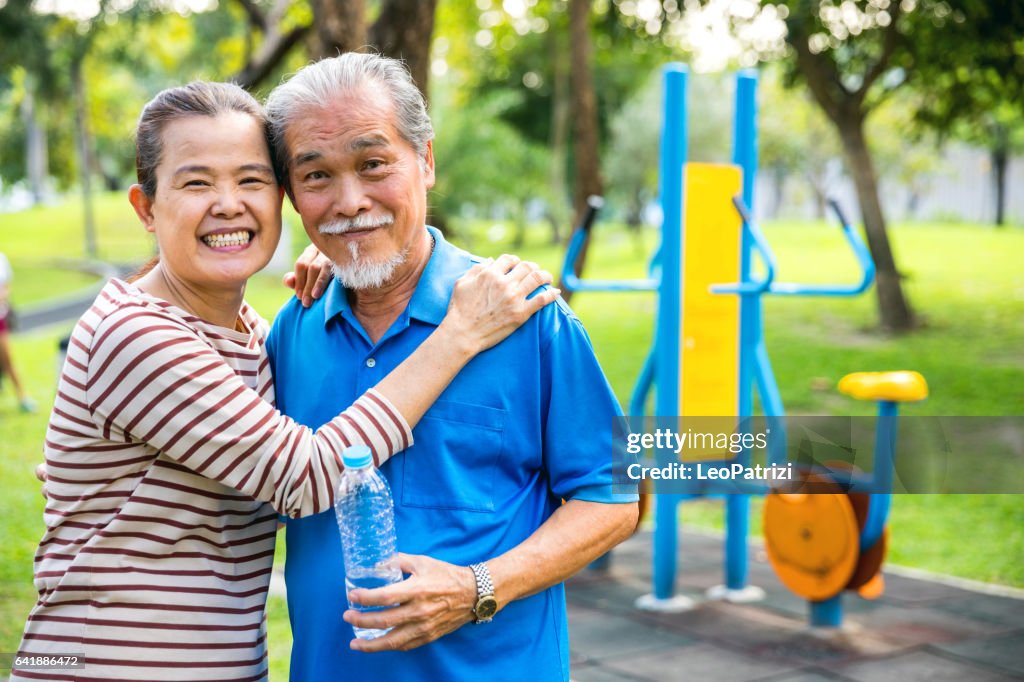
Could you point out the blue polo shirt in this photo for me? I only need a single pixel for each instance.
(525, 425)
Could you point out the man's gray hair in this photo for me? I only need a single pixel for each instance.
(316, 84)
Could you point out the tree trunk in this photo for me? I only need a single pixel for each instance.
(894, 308)
(1000, 158)
(635, 213)
(778, 186)
(557, 211)
(519, 236)
(340, 27)
(584, 116)
(36, 160)
(404, 30)
(84, 161)
(818, 190)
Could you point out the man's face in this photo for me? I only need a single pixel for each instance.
(360, 188)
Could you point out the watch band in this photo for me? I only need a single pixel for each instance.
(486, 604)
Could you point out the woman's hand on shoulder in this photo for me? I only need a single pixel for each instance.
(311, 276)
(489, 302)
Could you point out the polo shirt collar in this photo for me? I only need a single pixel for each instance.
(429, 302)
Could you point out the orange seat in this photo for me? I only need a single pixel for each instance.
(903, 386)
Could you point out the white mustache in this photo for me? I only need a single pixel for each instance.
(360, 222)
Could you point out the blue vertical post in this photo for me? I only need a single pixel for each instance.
(883, 475)
(827, 613)
(737, 507)
(673, 158)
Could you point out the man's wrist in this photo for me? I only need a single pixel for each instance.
(486, 603)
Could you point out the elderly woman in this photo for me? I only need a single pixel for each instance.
(167, 462)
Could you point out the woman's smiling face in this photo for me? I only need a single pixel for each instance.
(216, 212)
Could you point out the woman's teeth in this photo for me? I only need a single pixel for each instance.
(240, 238)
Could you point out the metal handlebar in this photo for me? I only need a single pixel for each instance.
(860, 251)
(573, 283)
(761, 244)
(766, 285)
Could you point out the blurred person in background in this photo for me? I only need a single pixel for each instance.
(7, 369)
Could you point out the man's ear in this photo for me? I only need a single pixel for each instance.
(428, 165)
(143, 205)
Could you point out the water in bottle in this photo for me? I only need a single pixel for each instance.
(366, 520)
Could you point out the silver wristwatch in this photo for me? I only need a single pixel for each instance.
(486, 604)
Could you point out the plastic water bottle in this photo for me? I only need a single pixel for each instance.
(366, 520)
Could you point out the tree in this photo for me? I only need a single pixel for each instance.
(854, 55)
(974, 86)
(53, 46)
(795, 139)
(278, 38)
(486, 164)
(631, 162)
(842, 58)
(403, 29)
(586, 143)
(27, 69)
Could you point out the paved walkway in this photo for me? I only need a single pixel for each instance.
(918, 630)
(71, 307)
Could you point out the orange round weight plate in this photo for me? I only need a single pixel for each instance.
(868, 565)
(811, 539)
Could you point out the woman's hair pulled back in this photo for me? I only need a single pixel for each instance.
(199, 98)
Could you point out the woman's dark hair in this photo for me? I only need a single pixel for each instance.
(199, 98)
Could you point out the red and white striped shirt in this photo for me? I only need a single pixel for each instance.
(166, 461)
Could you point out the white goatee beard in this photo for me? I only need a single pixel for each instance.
(363, 275)
(358, 275)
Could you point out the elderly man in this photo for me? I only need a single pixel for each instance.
(479, 508)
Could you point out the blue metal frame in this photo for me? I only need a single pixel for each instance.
(666, 342)
(661, 367)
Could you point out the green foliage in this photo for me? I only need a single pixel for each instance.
(483, 163)
(522, 52)
(129, 55)
(976, 68)
(631, 161)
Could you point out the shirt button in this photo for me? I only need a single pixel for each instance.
(371, 363)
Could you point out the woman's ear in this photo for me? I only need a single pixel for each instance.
(143, 205)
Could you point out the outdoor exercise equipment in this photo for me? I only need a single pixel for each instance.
(709, 352)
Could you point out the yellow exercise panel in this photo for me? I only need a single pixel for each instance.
(710, 324)
(812, 540)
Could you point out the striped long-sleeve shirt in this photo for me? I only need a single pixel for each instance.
(166, 461)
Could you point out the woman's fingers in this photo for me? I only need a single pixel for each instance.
(543, 298)
(306, 275)
(323, 279)
(517, 279)
(504, 263)
(529, 276)
(41, 475)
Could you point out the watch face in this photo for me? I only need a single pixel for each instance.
(486, 607)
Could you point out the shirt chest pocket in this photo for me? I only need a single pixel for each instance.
(454, 461)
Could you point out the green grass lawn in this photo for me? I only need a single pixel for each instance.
(965, 280)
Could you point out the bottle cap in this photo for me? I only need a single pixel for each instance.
(357, 457)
